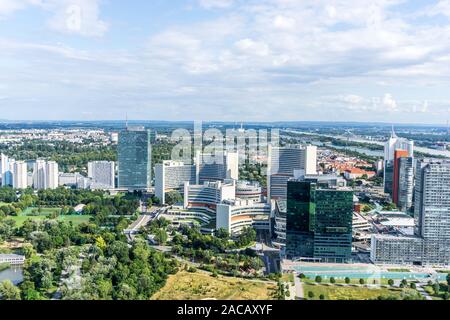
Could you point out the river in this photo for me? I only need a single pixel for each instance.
(432, 152)
(14, 274)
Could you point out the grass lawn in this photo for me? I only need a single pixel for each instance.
(44, 211)
(75, 219)
(441, 294)
(201, 285)
(353, 293)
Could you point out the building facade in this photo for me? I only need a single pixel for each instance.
(171, 176)
(235, 215)
(20, 175)
(102, 174)
(285, 163)
(431, 243)
(134, 159)
(318, 222)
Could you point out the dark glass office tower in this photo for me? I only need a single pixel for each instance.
(134, 159)
(319, 222)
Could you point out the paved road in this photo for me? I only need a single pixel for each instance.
(299, 292)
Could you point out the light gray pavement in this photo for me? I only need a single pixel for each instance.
(299, 292)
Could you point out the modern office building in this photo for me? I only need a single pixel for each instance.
(102, 174)
(246, 190)
(20, 175)
(209, 194)
(284, 164)
(171, 176)
(235, 215)
(391, 146)
(318, 222)
(405, 190)
(134, 155)
(217, 168)
(431, 243)
(278, 225)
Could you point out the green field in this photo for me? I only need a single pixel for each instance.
(75, 219)
(355, 293)
(201, 286)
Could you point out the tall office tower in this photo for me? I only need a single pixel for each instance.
(318, 222)
(285, 163)
(52, 175)
(432, 209)
(391, 146)
(405, 184)
(135, 159)
(431, 244)
(171, 176)
(20, 175)
(40, 175)
(210, 168)
(102, 174)
(398, 154)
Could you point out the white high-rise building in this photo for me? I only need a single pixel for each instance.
(20, 175)
(171, 176)
(4, 165)
(285, 163)
(39, 175)
(395, 143)
(102, 174)
(7, 169)
(45, 175)
(391, 146)
(52, 175)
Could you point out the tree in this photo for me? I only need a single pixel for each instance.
(311, 295)
(322, 297)
(100, 243)
(302, 276)
(332, 280)
(161, 236)
(391, 282)
(362, 281)
(436, 288)
(318, 279)
(413, 285)
(173, 197)
(8, 291)
(347, 280)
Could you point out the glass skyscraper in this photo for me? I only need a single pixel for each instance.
(318, 222)
(134, 159)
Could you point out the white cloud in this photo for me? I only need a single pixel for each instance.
(251, 47)
(389, 103)
(211, 4)
(8, 7)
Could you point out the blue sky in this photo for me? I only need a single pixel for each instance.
(233, 60)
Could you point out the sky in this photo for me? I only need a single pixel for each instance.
(226, 60)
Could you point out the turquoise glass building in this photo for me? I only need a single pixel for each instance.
(134, 159)
(318, 222)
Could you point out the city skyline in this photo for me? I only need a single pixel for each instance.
(226, 60)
